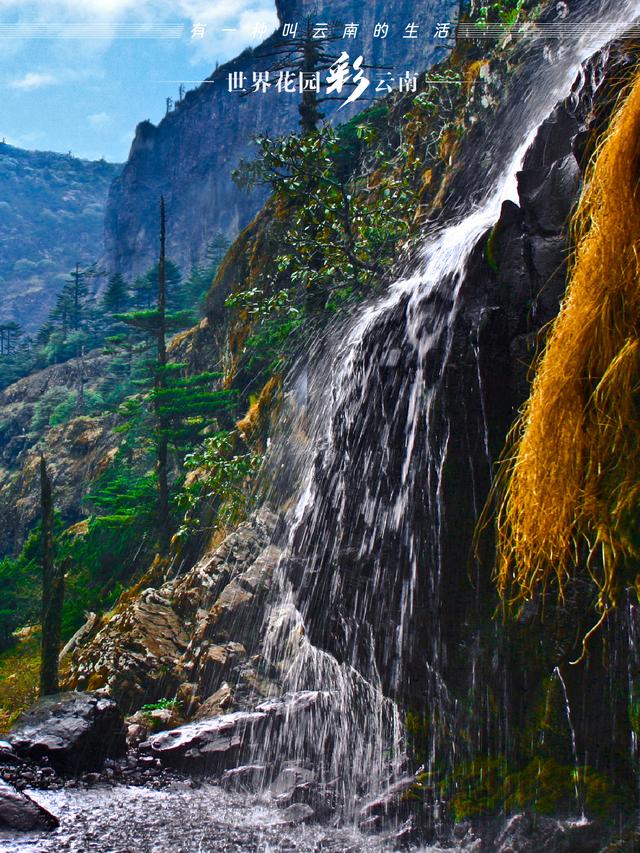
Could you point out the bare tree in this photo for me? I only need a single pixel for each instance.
(52, 591)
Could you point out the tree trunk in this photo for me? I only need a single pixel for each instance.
(80, 397)
(162, 443)
(52, 591)
(76, 299)
(308, 107)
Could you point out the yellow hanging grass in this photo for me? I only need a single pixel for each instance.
(571, 484)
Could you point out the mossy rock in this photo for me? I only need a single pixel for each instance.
(487, 786)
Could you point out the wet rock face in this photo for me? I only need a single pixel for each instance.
(209, 745)
(190, 155)
(71, 731)
(444, 375)
(18, 811)
(198, 630)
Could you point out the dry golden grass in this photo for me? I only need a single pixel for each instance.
(570, 489)
(19, 677)
(255, 425)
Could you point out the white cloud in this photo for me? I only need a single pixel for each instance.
(23, 140)
(206, 11)
(33, 80)
(80, 9)
(229, 27)
(242, 20)
(99, 121)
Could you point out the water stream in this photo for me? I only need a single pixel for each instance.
(360, 585)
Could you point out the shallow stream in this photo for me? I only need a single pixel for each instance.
(178, 819)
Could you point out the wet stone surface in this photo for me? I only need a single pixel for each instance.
(184, 817)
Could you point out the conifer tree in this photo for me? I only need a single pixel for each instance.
(306, 56)
(76, 293)
(10, 332)
(195, 288)
(173, 409)
(145, 287)
(116, 295)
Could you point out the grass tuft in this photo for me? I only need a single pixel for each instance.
(569, 488)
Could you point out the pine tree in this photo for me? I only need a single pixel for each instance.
(76, 292)
(162, 441)
(143, 293)
(217, 248)
(16, 357)
(196, 287)
(172, 282)
(172, 409)
(306, 56)
(116, 296)
(10, 332)
(73, 322)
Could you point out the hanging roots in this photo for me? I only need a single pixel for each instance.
(569, 493)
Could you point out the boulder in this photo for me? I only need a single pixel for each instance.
(217, 744)
(8, 754)
(71, 731)
(297, 813)
(18, 811)
(156, 720)
(209, 745)
(528, 833)
(220, 703)
(191, 634)
(248, 777)
(392, 806)
(81, 635)
(136, 733)
(134, 653)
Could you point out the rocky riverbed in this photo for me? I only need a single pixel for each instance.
(188, 817)
(178, 818)
(69, 782)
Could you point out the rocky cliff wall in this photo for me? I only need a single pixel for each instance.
(190, 155)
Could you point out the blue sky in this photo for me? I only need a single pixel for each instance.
(86, 95)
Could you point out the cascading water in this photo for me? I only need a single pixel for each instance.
(366, 607)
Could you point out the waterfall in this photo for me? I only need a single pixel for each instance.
(363, 606)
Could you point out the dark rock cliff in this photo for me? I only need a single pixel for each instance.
(418, 520)
(190, 155)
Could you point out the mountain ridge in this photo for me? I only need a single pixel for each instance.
(51, 217)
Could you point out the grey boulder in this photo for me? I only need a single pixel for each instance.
(18, 811)
(70, 731)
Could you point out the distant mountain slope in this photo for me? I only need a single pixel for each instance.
(51, 216)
